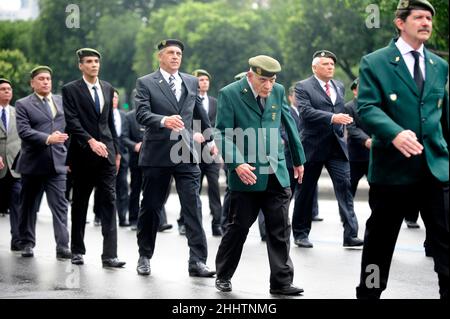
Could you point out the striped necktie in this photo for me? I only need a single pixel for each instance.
(4, 119)
(172, 85)
(327, 89)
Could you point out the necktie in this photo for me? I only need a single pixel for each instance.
(327, 89)
(172, 85)
(47, 107)
(96, 100)
(418, 76)
(260, 103)
(4, 119)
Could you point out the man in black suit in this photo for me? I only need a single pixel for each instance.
(42, 161)
(93, 155)
(132, 139)
(209, 166)
(166, 103)
(121, 125)
(320, 100)
(358, 141)
(294, 184)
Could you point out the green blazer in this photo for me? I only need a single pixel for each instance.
(389, 102)
(245, 135)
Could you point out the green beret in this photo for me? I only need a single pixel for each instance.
(200, 72)
(416, 4)
(264, 65)
(81, 53)
(240, 75)
(324, 54)
(354, 84)
(170, 42)
(3, 80)
(40, 69)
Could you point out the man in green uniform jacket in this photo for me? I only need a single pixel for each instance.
(404, 104)
(250, 112)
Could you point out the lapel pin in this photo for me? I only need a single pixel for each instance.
(397, 59)
(431, 61)
(160, 81)
(393, 97)
(245, 91)
(439, 103)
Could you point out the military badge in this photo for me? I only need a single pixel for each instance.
(439, 104)
(397, 59)
(274, 106)
(322, 54)
(404, 4)
(431, 61)
(258, 70)
(393, 97)
(274, 116)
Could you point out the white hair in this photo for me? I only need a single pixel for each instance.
(315, 61)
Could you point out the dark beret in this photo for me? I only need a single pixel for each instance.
(170, 42)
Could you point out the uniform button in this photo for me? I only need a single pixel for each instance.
(422, 104)
(423, 119)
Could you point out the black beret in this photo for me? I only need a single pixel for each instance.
(170, 42)
(324, 54)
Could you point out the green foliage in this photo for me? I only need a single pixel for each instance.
(15, 67)
(218, 38)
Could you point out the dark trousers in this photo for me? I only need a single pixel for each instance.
(135, 193)
(339, 170)
(103, 178)
(122, 197)
(295, 187)
(244, 209)
(54, 186)
(389, 205)
(9, 201)
(155, 186)
(357, 171)
(211, 171)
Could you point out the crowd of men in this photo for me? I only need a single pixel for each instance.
(395, 131)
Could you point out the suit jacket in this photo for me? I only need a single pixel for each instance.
(131, 136)
(154, 100)
(237, 109)
(34, 125)
(389, 102)
(83, 123)
(287, 151)
(357, 135)
(316, 110)
(9, 144)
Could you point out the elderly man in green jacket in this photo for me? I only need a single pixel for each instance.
(404, 104)
(250, 112)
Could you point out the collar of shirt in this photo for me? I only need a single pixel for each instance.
(41, 97)
(332, 90)
(90, 85)
(99, 92)
(255, 94)
(405, 50)
(166, 76)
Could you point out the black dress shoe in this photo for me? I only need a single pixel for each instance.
(303, 242)
(353, 242)
(77, 259)
(113, 263)
(217, 231)
(290, 290)
(16, 247)
(412, 224)
(27, 251)
(199, 269)
(164, 227)
(124, 224)
(63, 253)
(182, 230)
(143, 266)
(317, 219)
(223, 285)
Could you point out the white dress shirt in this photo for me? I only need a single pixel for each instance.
(7, 112)
(333, 94)
(405, 49)
(205, 102)
(99, 92)
(178, 82)
(117, 122)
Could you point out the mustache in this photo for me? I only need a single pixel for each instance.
(425, 29)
